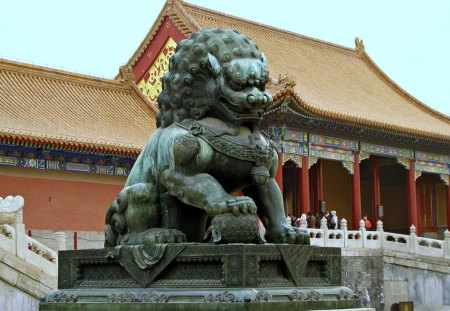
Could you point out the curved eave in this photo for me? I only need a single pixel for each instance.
(61, 143)
(417, 103)
(305, 107)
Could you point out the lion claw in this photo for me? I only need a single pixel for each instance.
(236, 205)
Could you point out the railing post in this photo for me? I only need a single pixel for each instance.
(380, 231)
(412, 239)
(303, 223)
(19, 217)
(344, 230)
(324, 227)
(21, 240)
(75, 240)
(60, 241)
(447, 244)
(362, 228)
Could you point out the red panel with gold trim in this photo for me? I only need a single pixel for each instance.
(151, 84)
(167, 30)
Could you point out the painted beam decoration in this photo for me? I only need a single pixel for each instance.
(387, 151)
(288, 141)
(64, 161)
(433, 163)
(333, 148)
(333, 142)
(294, 144)
(150, 84)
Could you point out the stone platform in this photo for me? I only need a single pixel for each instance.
(201, 277)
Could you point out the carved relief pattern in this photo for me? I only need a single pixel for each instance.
(61, 297)
(312, 161)
(225, 146)
(417, 174)
(404, 162)
(348, 166)
(296, 158)
(153, 297)
(444, 178)
(313, 295)
(344, 295)
(297, 296)
(363, 156)
(123, 298)
(151, 84)
(225, 297)
(262, 296)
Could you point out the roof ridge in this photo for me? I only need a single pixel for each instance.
(179, 5)
(149, 36)
(413, 100)
(272, 28)
(52, 73)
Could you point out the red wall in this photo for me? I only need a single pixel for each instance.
(52, 204)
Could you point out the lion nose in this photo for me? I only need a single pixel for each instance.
(251, 99)
(256, 100)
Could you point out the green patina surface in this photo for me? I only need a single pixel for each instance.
(208, 146)
(281, 305)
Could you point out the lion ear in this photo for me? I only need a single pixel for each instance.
(263, 59)
(213, 64)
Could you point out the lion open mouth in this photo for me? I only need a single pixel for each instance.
(241, 111)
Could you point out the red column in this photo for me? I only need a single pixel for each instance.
(279, 174)
(376, 195)
(319, 182)
(412, 197)
(304, 186)
(318, 193)
(448, 205)
(356, 193)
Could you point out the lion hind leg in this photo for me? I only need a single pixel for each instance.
(134, 211)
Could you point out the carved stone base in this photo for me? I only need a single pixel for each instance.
(284, 276)
(201, 299)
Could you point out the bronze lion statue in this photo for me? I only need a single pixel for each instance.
(207, 146)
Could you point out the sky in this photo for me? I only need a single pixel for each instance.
(409, 40)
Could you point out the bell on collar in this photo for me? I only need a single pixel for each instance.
(260, 175)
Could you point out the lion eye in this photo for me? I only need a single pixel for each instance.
(235, 86)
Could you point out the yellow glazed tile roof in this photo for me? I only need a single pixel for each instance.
(47, 106)
(331, 81)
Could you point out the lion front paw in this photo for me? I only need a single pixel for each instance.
(287, 234)
(235, 205)
(158, 236)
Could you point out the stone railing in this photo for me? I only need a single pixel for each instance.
(379, 239)
(14, 240)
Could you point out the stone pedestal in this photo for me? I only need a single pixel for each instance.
(201, 277)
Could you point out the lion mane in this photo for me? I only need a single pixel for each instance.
(185, 94)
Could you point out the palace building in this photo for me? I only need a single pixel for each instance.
(349, 138)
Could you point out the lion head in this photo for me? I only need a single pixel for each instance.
(215, 73)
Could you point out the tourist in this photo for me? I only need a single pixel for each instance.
(293, 220)
(289, 220)
(311, 220)
(367, 223)
(318, 218)
(334, 221)
(328, 218)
